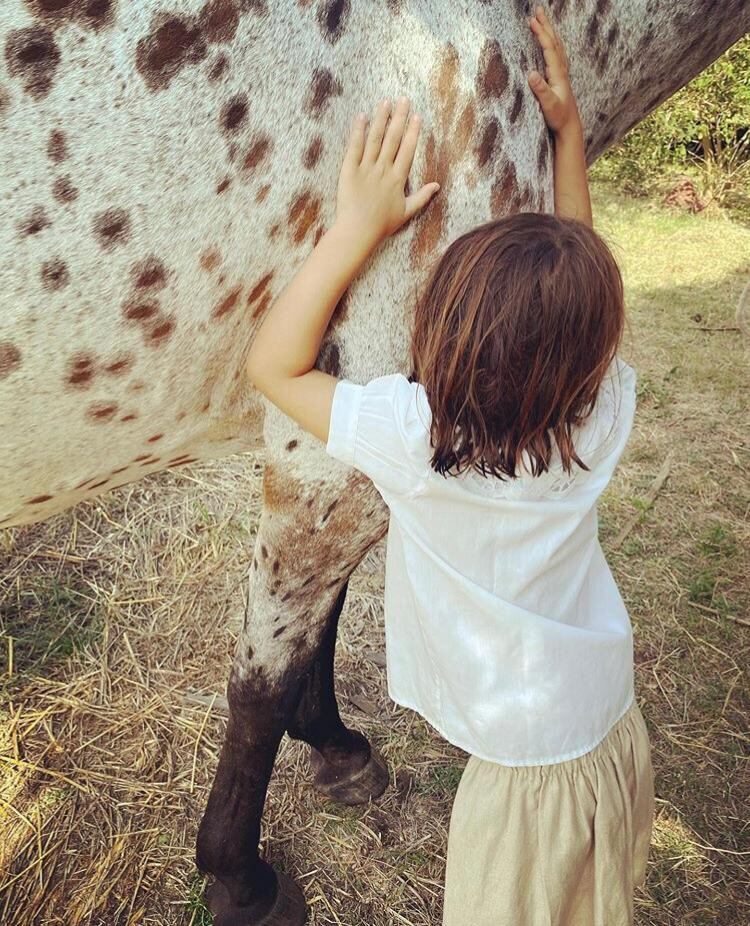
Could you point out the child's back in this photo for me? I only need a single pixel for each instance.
(504, 626)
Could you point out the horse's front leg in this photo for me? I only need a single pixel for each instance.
(309, 541)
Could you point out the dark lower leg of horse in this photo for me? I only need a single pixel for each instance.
(248, 891)
(282, 678)
(309, 541)
(345, 767)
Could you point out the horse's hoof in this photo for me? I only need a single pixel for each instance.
(350, 788)
(289, 908)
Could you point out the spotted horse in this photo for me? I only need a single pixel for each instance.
(167, 164)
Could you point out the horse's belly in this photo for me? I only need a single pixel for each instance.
(164, 175)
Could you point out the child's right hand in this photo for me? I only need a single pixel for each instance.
(555, 95)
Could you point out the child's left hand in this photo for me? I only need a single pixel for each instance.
(372, 203)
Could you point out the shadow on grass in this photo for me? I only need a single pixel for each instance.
(43, 621)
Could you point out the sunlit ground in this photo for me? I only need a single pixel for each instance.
(111, 613)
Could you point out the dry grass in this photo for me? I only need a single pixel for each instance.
(110, 613)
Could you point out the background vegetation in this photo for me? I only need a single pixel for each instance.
(702, 133)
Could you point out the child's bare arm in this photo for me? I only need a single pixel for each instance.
(558, 104)
(371, 205)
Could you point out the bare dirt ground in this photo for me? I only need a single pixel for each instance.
(111, 613)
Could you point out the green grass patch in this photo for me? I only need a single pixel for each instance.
(442, 781)
(196, 910)
(47, 622)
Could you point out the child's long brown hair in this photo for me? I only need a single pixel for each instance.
(512, 337)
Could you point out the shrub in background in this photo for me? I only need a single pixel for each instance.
(703, 132)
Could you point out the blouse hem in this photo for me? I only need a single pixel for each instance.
(515, 763)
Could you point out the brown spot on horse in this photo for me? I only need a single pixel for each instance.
(182, 462)
(517, 107)
(219, 20)
(323, 87)
(140, 310)
(234, 113)
(457, 115)
(279, 490)
(173, 43)
(218, 67)
(119, 366)
(63, 190)
(112, 228)
(313, 152)
(92, 14)
(57, 146)
(178, 41)
(10, 358)
(32, 56)
(37, 221)
(262, 305)
(149, 273)
(332, 16)
(102, 411)
(492, 75)
(543, 154)
(464, 131)
(54, 274)
(259, 289)
(160, 332)
(210, 259)
(258, 150)
(227, 304)
(446, 84)
(503, 192)
(487, 142)
(329, 357)
(303, 213)
(81, 370)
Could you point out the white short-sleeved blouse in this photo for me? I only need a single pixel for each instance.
(505, 629)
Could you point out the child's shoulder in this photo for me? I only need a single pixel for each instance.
(405, 394)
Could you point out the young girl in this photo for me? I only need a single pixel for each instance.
(504, 626)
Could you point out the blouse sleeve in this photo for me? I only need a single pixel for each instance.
(613, 416)
(377, 428)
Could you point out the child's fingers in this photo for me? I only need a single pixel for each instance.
(395, 132)
(559, 46)
(545, 21)
(419, 200)
(356, 144)
(543, 92)
(552, 58)
(541, 15)
(543, 35)
(551, 40)
(377, 130)
(405, 156)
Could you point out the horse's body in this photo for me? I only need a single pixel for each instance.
(166, 167)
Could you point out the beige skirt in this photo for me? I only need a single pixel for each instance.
(553, 845)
